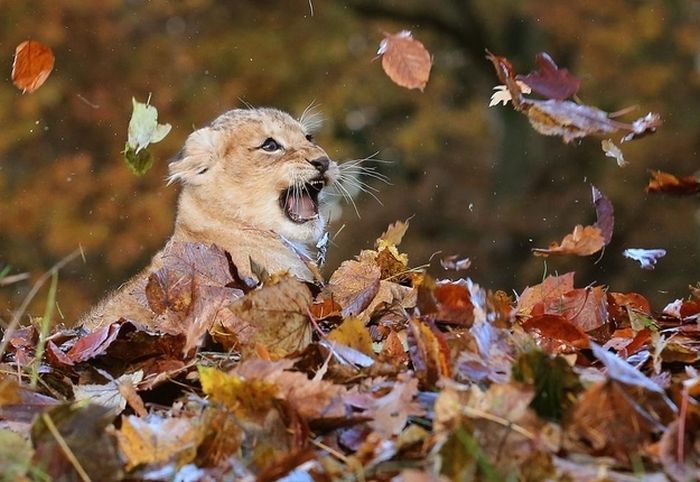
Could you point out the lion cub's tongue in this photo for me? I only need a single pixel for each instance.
(302, 207)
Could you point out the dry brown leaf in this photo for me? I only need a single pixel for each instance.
(390, 413)
(32, 65)
(585, 308)
(584, 241)
(551, 289)
(354, 285)
(155, 440)
(274, 315)
(405, 60)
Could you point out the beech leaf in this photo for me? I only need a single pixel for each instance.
(405, 60)
(32, 65)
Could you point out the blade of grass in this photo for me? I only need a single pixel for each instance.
(44, 329)
(17, 316)
(65, 448)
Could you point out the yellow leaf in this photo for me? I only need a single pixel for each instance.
(242, 396)
(353, 333)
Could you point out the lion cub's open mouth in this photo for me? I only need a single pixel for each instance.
(300, 203)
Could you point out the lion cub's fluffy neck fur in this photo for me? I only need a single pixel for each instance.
(234, 179)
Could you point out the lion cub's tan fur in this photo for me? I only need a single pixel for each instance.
(231, 197)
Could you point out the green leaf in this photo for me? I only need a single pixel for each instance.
(554, 381)
(139, 163)
(144, 130)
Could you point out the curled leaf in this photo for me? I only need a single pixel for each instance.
(611, 150)
(583, 241)
(144, 130)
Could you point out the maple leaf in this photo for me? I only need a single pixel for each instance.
(549, 80)
(668, 183)
(32, 65)
(405, 60)
(647, 258)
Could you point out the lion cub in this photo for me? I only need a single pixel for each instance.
(252, 183)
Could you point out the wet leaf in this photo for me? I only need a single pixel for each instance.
(647, 258)
(32, 65)
(405, 60)
(549, 80)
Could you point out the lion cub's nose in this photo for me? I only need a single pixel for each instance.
(321, 164)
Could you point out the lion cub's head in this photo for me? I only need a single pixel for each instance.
(260, 167)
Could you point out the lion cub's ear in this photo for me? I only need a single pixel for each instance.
(202, 149)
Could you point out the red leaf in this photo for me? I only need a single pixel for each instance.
(558, 328)
(549, 80)
(32, 65)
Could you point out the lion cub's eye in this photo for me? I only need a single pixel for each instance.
(309, 137)
(270, 145)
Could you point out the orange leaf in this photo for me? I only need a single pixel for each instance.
(680, 186)
(584, 241)
(32, 65)
(405, 60)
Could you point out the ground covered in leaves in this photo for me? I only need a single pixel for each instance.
(382, 373)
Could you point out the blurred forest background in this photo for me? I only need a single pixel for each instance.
(478, 181)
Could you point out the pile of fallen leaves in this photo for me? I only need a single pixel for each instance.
(383, 373)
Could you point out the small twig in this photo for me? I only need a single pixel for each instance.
(17, 316)
(475, 412)
(14, 278)
(64, 446)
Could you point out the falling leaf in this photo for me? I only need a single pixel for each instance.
(502, 94)
(144, 130)
(393, 235)
(565, 118)
(584, 241)
(454, 263)
(32, 65)
(605, 214)
(549, 80)
(668, 183)
(405, 60)
(354, 285)
(611, 150)
(647, 258)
